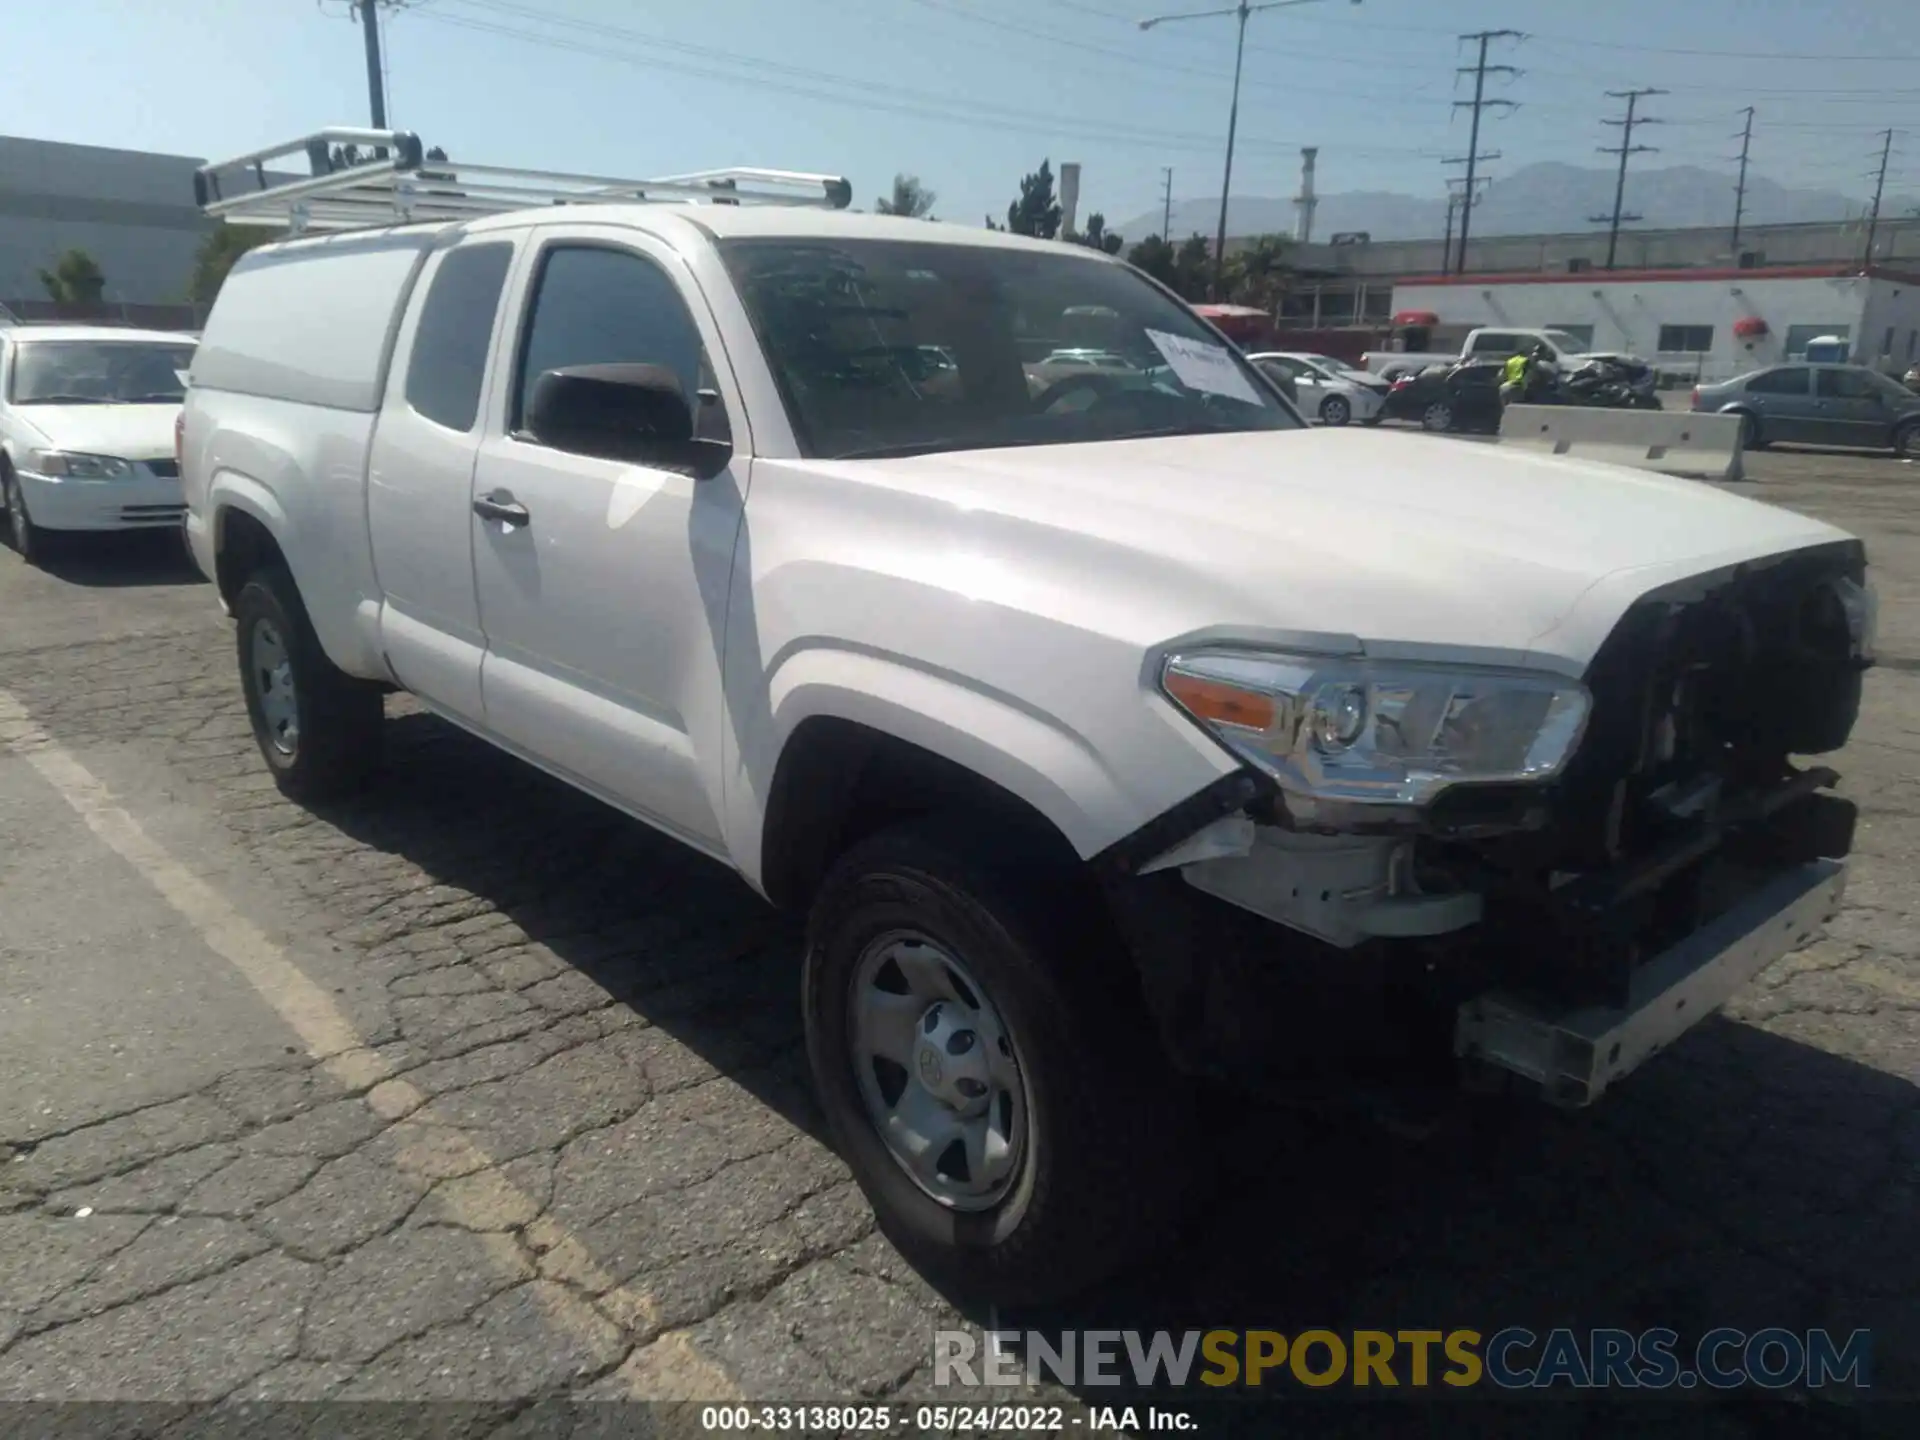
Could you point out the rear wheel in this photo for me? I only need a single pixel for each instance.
(1437, 417)
(27, 538)
(1007, 1112)
(1335, 410)
(318, 728)
(1751, 436)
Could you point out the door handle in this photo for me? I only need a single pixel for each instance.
(503, 507)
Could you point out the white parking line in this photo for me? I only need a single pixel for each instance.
(481, 1199)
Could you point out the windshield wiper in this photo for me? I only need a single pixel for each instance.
(64, 400)
(159, 397)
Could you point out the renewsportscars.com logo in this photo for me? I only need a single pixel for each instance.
(1514, 1358)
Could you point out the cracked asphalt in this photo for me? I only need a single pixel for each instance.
(472, 1090)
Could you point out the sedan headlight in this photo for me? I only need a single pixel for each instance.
(70, 466)
(1346, 728)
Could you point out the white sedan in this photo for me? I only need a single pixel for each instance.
(86, 429)
(1325, 389)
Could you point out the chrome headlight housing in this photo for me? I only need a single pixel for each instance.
(1346, 728)
(71, 466)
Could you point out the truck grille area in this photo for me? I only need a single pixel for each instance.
(1683, 793)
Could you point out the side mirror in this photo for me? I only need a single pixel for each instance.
(636, 413)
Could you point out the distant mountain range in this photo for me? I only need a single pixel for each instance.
(1539, 199)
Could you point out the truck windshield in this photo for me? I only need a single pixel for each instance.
(99, 372)
(885, 347)
(1563, 342)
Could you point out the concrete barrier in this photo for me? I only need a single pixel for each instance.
(1674, 442)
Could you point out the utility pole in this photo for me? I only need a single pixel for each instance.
(376, 88)
(1480, 70)
(1457, 202)
(1468, 197)
(1166, 204)
(1879, 188)
(1625, 148)
(1740, 187)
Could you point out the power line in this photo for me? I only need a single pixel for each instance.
(1625, 148)
(1480, 70)
(1740, 185)
(861, 94)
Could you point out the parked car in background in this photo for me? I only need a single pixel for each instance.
(1325, 389)
(1445, 398)
(87, 430)
(1819, 405)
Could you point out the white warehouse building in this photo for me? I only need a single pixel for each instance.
(1711, 323)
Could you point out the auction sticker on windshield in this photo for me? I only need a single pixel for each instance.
(1201, 365)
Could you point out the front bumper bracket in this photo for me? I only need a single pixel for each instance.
(1574, 1054)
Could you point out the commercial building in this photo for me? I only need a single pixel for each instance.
(131, 210)
(1704, 322)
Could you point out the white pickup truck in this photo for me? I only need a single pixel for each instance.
(1487, 343)
(1114, 739)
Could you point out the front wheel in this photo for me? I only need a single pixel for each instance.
(1009, 1117)
(1906, 441)
(1334, 410)
(318, 728)
(27, 538)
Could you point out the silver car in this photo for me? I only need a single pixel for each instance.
(1819, 405)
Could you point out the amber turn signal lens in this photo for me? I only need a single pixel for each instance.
(1219, 704)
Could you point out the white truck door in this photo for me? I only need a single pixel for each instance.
(420, 475)
(604, 608)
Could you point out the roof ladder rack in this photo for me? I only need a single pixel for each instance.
(359, 179)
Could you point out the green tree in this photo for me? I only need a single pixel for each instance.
(1096, 236)
(223, 245)
(1036, 212)
(1258, 272)
(909, 198)
(1193, 266)
(75, 279)
(1155, 256)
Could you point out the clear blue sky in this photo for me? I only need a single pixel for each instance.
(970, 94)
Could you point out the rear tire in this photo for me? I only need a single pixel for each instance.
(318, 728)
(1751, 435)
(1084, 1167)
(1437, 417)
(28, 539)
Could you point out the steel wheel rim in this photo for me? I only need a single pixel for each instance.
(271, 669)
(937, 1071)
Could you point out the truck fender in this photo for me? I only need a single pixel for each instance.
(1033, 756)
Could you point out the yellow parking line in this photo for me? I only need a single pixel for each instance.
(475, 1192)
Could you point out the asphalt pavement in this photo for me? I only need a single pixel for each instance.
(472, 1090)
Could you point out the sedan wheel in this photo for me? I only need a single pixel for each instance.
(1335, 410)
(21, 531)
(1437, 417)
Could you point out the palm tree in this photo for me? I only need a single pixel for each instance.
(909, 198)
(1257, 274)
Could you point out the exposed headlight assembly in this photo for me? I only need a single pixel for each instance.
(1349, 729)
(70, 466)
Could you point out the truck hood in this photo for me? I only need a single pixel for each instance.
(1414, 546)
(131, 432)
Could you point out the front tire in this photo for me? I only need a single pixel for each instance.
(1334, 410)
(1007, 1113)
(1906, 441)
(318, 728)
(28, 539)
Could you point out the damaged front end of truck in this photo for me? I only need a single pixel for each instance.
(1423, 869)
